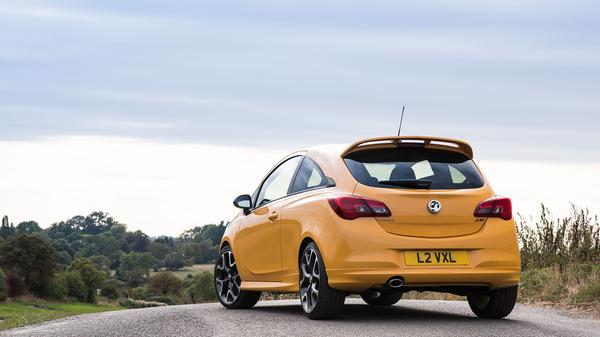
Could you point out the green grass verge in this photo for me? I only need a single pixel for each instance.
(15, 314)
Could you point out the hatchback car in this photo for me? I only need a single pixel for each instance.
(378, 218)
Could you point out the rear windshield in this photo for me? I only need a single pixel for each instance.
(414, 167)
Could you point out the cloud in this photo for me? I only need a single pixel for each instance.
(165, 188)
(499, 74)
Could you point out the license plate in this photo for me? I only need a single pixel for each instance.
(436, 257)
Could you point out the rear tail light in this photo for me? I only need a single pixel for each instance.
(494, 208)
(351, 207)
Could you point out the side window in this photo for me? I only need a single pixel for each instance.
(277, 184)
(309, 176)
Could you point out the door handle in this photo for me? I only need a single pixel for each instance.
(273, 216)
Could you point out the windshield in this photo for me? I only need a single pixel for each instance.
(414, 167)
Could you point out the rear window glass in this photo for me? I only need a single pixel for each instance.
(402, 166)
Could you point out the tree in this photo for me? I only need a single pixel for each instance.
(134, 268)
(200, 288)
(102, 263)
(7, 229)
(106, 243)
(165, 283)
(200, 252)
(30, 258)
(112, 288)
(211, 232)
(174, 261)
(158, 250)
(2, 286)
(97, 222)
(214, 233)
(75, 285)
(91, 277)
(137, 241)
(28, 227)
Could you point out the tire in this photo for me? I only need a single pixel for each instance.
(228, 282)
(383, 300)
(497, 303)
(318, 300)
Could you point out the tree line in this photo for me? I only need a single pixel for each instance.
(73, 259)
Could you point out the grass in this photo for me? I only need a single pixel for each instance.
(577, 283)
(20, 313)
(193, 270)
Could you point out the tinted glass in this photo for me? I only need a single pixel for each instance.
(445, 169)
(309, 176)
(277, 184)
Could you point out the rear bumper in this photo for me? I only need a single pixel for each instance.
(362, 255)
(359, 280)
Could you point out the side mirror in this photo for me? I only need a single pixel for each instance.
(244, 202)
(330, 182)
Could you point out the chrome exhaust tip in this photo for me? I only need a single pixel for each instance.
(395, 282)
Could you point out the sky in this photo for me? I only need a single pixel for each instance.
(161, 112)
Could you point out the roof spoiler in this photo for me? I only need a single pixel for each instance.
(428, 142)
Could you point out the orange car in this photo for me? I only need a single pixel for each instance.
(379, 218)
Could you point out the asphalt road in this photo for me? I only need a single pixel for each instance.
(285, 318)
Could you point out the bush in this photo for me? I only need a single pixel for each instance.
(164, 283)
(169, 300)
(588, 293)
(112, 289)
(58, 288)
(139, 293)
(91, 277)
(3, 290)
(136, 304)
(75, 286)
(16, 285)
(542, 285)
(201, 288)
(560, 242)
(30, 258)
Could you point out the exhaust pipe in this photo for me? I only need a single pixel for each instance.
(395, 282)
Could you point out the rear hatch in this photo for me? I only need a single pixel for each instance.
(431, 189)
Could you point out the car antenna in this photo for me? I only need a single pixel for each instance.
(401, 119)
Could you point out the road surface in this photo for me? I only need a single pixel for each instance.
(285, 318)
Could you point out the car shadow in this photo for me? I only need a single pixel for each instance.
(362, 312)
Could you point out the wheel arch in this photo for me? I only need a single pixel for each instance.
(225, 243)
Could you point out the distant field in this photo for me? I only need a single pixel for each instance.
(193, 270)
(15, 314)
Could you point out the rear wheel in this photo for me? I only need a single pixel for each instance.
(497, 303)
(319, 301)
(383, 300)
(228, 282)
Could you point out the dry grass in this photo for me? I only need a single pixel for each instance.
(193, 270)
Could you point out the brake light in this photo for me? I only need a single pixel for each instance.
(351, 207)
(495, 208)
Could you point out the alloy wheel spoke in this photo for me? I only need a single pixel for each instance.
(227, 278)
(309, 279)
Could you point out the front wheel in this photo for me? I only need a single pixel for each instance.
(228, 282)
(497, 303)
(319, 301)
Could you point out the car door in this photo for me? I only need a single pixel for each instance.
(259, 235)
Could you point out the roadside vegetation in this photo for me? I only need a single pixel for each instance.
(561, 259)
(87, 262)
(93, 263)
(19, 313)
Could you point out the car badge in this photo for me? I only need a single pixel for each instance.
(434, 207)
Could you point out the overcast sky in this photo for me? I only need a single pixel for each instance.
(160, 112)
